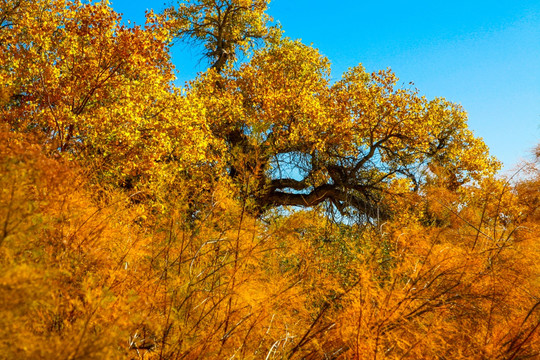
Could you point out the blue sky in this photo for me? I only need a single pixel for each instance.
(482, 55)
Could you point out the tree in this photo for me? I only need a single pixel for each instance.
(294, 138)
(97, 91)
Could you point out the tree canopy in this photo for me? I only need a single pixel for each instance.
(282, 131)
(301, 140)
(295, 138)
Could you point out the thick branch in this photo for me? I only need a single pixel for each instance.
(280, 184)
(317, 195)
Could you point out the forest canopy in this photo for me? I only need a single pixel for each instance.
(263, 211)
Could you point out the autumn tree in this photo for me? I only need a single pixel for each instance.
(300, 140)
(97, 91)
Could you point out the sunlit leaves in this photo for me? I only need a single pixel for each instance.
(343, 143)
(98, 91)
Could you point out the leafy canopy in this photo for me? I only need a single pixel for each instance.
(298, 139)
(274, 127)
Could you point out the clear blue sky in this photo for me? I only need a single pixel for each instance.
(484, 55)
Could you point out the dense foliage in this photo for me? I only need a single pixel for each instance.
(263, 212)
